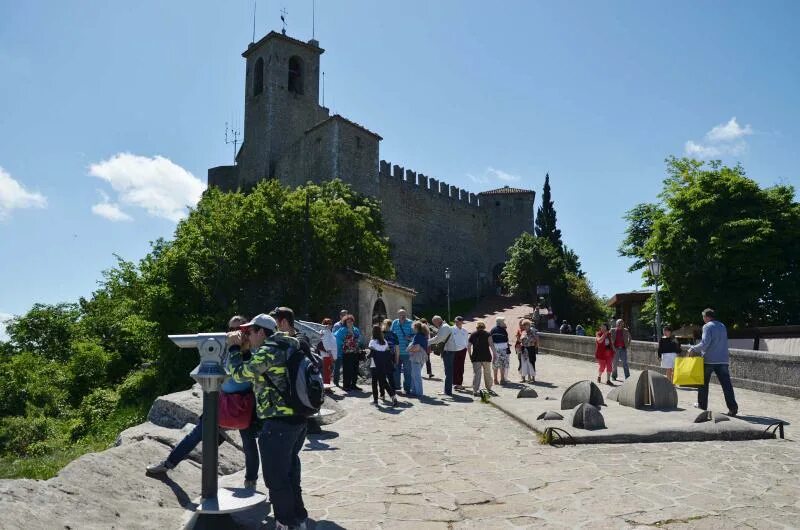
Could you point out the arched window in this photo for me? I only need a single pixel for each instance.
(295, 75)
(258, 77)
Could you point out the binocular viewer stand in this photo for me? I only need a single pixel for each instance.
(210, 375)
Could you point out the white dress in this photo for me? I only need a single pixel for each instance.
(527, 368)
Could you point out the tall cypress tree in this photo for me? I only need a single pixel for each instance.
(546, 217)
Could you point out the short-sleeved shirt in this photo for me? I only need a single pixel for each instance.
(480, 346)
(403, 332)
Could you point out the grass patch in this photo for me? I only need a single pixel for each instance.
(57, 451)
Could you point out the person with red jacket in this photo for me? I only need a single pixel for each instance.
(604, 353)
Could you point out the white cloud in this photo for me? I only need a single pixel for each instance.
(727, 132)
(3, 318)
(491, 174)
(502, 175)
(723, 139)
(110, 210)
(14, 196)
(161, 187)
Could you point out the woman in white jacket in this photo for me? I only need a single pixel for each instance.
(328, 349)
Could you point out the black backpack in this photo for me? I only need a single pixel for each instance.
(305, 391)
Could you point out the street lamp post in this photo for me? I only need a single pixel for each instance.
(655, 269)
(447, 277)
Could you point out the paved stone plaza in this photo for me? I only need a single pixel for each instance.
(458, 463)
(445, 463)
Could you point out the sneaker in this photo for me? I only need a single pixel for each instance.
(158, 469)
(250, 484)
(394, 402)
(697, 406)
(356, 388)
(733, 413)
(609, 383)
(375, 402)
(492, 393)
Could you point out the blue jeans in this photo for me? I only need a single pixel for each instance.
(621, 356)
(280, 443)
(405, 366)
(416, 378)
(724, 378)
(447, 357)
(337, 369)
(191, 440)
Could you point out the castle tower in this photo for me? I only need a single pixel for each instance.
(510, 211)
(281, 102)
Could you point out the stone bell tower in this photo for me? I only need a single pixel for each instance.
(281, 102)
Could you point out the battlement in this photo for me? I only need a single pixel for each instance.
(425, 184)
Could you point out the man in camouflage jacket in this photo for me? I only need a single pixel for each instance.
(284, 432)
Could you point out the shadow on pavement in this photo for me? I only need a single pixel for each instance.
(323, 525)
(431, 401)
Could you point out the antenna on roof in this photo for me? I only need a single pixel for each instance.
(323, 89)
(313, 19)
(234, 139)
(283, 19)
(255, 4)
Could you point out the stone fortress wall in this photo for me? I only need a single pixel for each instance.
(431, 225)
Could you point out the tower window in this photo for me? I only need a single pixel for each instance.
(358, 142)
(295, 75)
(258, 77)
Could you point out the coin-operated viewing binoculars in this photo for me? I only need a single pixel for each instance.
(210, 375)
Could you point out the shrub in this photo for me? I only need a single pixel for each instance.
(18, 434)
(140, 386)
(94, 410)
(87, 369)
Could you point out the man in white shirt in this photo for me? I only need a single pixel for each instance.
(444, 336)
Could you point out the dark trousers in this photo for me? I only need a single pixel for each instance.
(448, 357)
(280, 443)
(428, 364)
(458, 367)
(724, 378)
(381, 379)
(350, 366)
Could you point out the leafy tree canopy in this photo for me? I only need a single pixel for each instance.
(534, 261)
(725, 243)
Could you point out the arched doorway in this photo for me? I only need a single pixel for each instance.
(379, 312)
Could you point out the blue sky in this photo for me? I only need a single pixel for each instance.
(111, 112)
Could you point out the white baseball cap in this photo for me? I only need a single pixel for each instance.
(263, 321)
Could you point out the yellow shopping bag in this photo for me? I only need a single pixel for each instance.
(688, 371)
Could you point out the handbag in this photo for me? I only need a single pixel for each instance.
(235, 410)
(688, 371)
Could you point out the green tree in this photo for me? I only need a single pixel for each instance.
(546, 217)
(534, 261)
(725, 243)
(45, 330)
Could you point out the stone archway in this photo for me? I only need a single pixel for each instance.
(379, 312)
